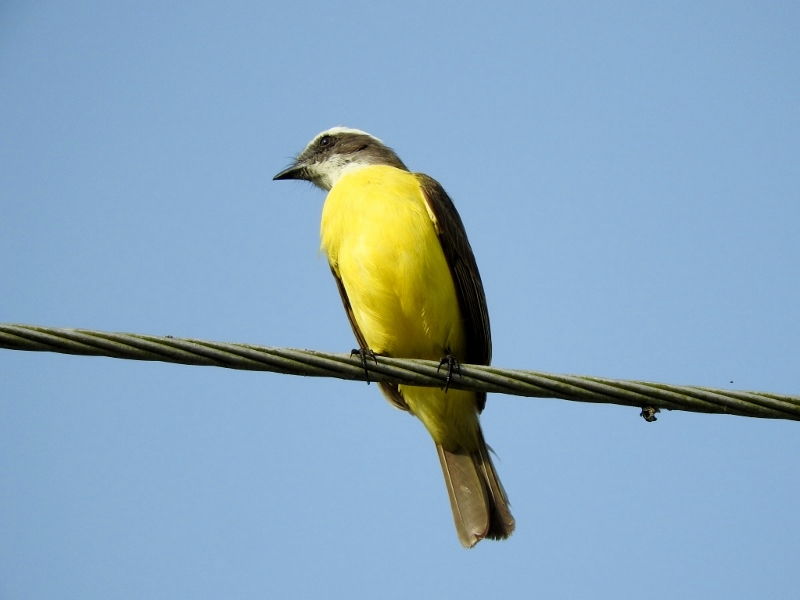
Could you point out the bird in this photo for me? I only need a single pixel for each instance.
(410, 286)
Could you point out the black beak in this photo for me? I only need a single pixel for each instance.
(293, 172)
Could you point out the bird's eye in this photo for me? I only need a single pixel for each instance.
(325, 140)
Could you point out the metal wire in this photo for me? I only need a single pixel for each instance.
(649, 396)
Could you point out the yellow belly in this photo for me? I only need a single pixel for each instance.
(381, 241)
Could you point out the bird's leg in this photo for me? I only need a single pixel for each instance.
(452, 363)
(363, 354)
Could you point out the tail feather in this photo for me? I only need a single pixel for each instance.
(502, 523)
(479, 502)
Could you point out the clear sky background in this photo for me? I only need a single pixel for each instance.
(629, 175)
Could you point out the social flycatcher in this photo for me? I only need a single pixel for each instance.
(411, 289)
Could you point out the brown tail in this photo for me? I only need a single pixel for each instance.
(478, 500)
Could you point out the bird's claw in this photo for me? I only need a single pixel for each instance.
(452, 363)
(363, 353)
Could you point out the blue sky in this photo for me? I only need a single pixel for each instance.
(628, 175)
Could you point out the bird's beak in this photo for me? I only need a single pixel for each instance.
(296, 171)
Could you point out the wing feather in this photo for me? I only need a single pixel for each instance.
(467, 279)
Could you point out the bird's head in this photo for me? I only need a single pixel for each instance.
(336, 151)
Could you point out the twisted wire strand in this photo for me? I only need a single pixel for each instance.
(648, 396)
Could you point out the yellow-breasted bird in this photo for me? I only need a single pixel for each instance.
(411, 289)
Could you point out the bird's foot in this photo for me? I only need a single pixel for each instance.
(363, 354)
(452, 364)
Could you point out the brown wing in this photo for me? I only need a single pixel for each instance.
(389, 390)
(469, 288)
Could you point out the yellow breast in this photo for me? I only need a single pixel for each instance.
(381, 241)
